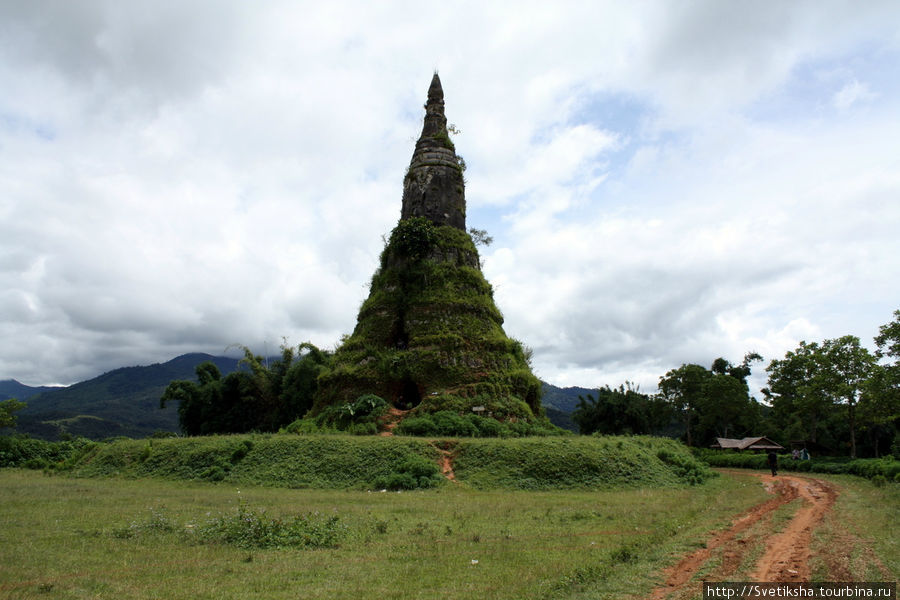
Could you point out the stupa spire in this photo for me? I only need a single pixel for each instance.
(429, 337)
(434, 187)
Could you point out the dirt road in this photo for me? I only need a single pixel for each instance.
(785, 554)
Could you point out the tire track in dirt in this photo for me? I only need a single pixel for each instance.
(787, 553)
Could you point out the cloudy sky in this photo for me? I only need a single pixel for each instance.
(666, 182)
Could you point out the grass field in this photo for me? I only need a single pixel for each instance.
(65, 537)
(113, 537)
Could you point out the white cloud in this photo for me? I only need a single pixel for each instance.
(852, 93)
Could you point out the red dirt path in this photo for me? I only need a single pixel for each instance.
(786, 556)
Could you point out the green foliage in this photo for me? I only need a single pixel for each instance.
(684, 465)
(430, 335)
(358, 417)
(261, 398)
(448, 423)
(23, 451)
(318, 461)
(712, 402)
(413, 238)
(158, 522)
(342, 461)
(250, 529)
(480, 237)
(576, 462)
(7, 409)
(810, 381)
(414, 472)
(886, 467)
(621, 411)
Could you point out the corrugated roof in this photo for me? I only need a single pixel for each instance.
(747, 443)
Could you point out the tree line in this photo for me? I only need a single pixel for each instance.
(263, 395)
(835, 395)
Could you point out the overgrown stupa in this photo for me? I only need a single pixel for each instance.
(430, 337)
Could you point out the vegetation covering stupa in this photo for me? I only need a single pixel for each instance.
(430, 337)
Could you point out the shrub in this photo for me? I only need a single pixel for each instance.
(23, 451)
(358, 417)
(448, 423)
(684, 465)
(415, 472)
(251, 529)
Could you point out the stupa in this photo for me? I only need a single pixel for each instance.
(429, 337)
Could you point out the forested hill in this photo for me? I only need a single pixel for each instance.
(564, 399)
(122, 402)
(10, 388)
(559, 403)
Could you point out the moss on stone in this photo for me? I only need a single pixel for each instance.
(430, 336)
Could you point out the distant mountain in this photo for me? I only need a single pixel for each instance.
(121, 402)
(10, 388)
(564, 399)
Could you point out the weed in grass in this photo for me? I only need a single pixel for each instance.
(255, 529)
(623, 554)
(157, 522)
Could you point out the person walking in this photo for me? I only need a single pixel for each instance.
(773, 462)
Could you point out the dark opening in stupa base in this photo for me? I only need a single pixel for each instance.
(409, 396)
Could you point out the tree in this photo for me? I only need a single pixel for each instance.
(842, 375)
(723, 406)
(888, 340)
(623, 410)
(796, 402)
(7, 408)
(740, 372)
(712, 402)
(480, 237)
(727, 407)
(879, 405)
(813, 379)
(258, 397)
(683, 388)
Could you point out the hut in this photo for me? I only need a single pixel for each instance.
(762, 444)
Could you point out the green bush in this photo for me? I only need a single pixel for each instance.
(415, 472)
(23, 451)
(447, 423)
(684, 465)
(357, 418)
(251, 529)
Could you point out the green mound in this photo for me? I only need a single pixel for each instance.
(352, 462)
(582, 462)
